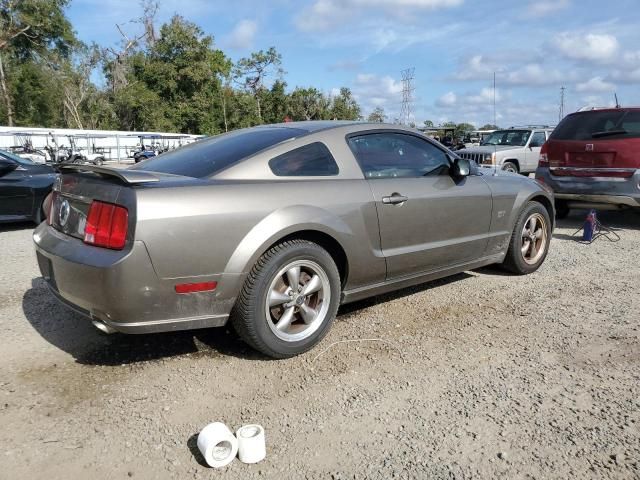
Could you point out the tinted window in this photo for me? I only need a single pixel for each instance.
(210, 156)
(383, 155)
(537, 140)
(313, 160)
(598, 124)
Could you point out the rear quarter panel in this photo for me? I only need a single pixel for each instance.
(225, 226)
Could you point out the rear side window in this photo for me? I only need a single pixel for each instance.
(313, 160)
(212, 155)
(593, 125)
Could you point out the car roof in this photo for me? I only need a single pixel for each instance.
(312, 126)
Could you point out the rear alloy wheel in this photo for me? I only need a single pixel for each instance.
(530, 240)
(510, 167)
(289, 299)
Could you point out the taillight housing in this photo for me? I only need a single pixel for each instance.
(106, 225)
(543, 161)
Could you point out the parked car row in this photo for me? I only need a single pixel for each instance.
(271, 228)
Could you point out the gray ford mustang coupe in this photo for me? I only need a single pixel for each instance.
(273, 227)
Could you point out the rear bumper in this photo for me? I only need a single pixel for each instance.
(617, 192)
(122, 289)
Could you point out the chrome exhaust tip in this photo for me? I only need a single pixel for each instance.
(103, 327)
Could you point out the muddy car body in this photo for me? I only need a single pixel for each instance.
(275, 226)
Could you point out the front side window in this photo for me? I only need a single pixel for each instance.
(384, 155)
(537, 140)
(313, 160)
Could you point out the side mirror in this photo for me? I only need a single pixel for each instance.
(461, 168)
(7, 166)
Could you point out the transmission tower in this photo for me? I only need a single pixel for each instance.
(561, 114)
(406, 111)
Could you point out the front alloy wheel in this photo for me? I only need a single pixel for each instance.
(530, 240)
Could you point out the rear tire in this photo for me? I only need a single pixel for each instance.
(273, 314)
(530, 240)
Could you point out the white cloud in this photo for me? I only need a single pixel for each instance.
(595, 84)
(534, 74)
(449, 99)
(372, 91)
(601, 48)
(540, 8)
(328, 14)
(242, 34)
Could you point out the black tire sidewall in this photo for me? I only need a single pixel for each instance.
(515, 261)
(515, 168)
(273, 345)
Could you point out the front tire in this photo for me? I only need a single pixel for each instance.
(510, 167)
(289, 300)
(530, 240)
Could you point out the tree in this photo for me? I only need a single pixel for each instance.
(344, 106)
(377, 116)
(29, 29)
(428, 123)
(489, 126)
(308, 104)
(252, 71)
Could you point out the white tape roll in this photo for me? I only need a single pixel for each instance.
(251, 444)
(217, 445)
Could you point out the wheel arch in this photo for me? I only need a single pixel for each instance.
(548, 205)
(512, 160)
(289, 223)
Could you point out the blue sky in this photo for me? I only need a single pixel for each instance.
(592, 47)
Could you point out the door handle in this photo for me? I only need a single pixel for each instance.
(394, 199)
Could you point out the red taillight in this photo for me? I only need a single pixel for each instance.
(195, 287)
(543, 161)
(106, 225)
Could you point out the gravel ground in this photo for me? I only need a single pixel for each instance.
(481, 375)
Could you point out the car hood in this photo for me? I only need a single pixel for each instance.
(488, 149)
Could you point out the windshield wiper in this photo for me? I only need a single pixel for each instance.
(609, 133)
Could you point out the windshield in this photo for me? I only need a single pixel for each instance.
(592, 125)
(212, 155)
(514, 138)
(15, 158)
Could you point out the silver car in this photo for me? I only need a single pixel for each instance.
(273, 227)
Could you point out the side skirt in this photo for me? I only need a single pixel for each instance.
(356, 294)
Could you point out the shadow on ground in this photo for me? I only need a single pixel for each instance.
(10, 227)
(618, 221)
(74, 334)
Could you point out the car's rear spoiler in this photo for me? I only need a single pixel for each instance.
(130, 177)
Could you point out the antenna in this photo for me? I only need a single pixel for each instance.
(561, 113)
(617, 102)
(406, 111)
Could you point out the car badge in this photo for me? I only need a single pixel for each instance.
(589, 147)
(65, 211)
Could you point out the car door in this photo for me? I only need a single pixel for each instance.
(15, 196)
(428, 220)
(532, 151)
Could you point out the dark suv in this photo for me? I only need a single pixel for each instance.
(592, 160)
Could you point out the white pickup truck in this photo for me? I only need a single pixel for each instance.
(516, 149)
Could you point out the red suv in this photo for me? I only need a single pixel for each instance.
(592, 160)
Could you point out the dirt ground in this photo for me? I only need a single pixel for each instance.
(483, 375)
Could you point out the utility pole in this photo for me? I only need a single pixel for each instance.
(561, 114)
(406, 111)
(494, 100)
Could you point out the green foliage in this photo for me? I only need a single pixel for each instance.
(170, 79)
(377, 116)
